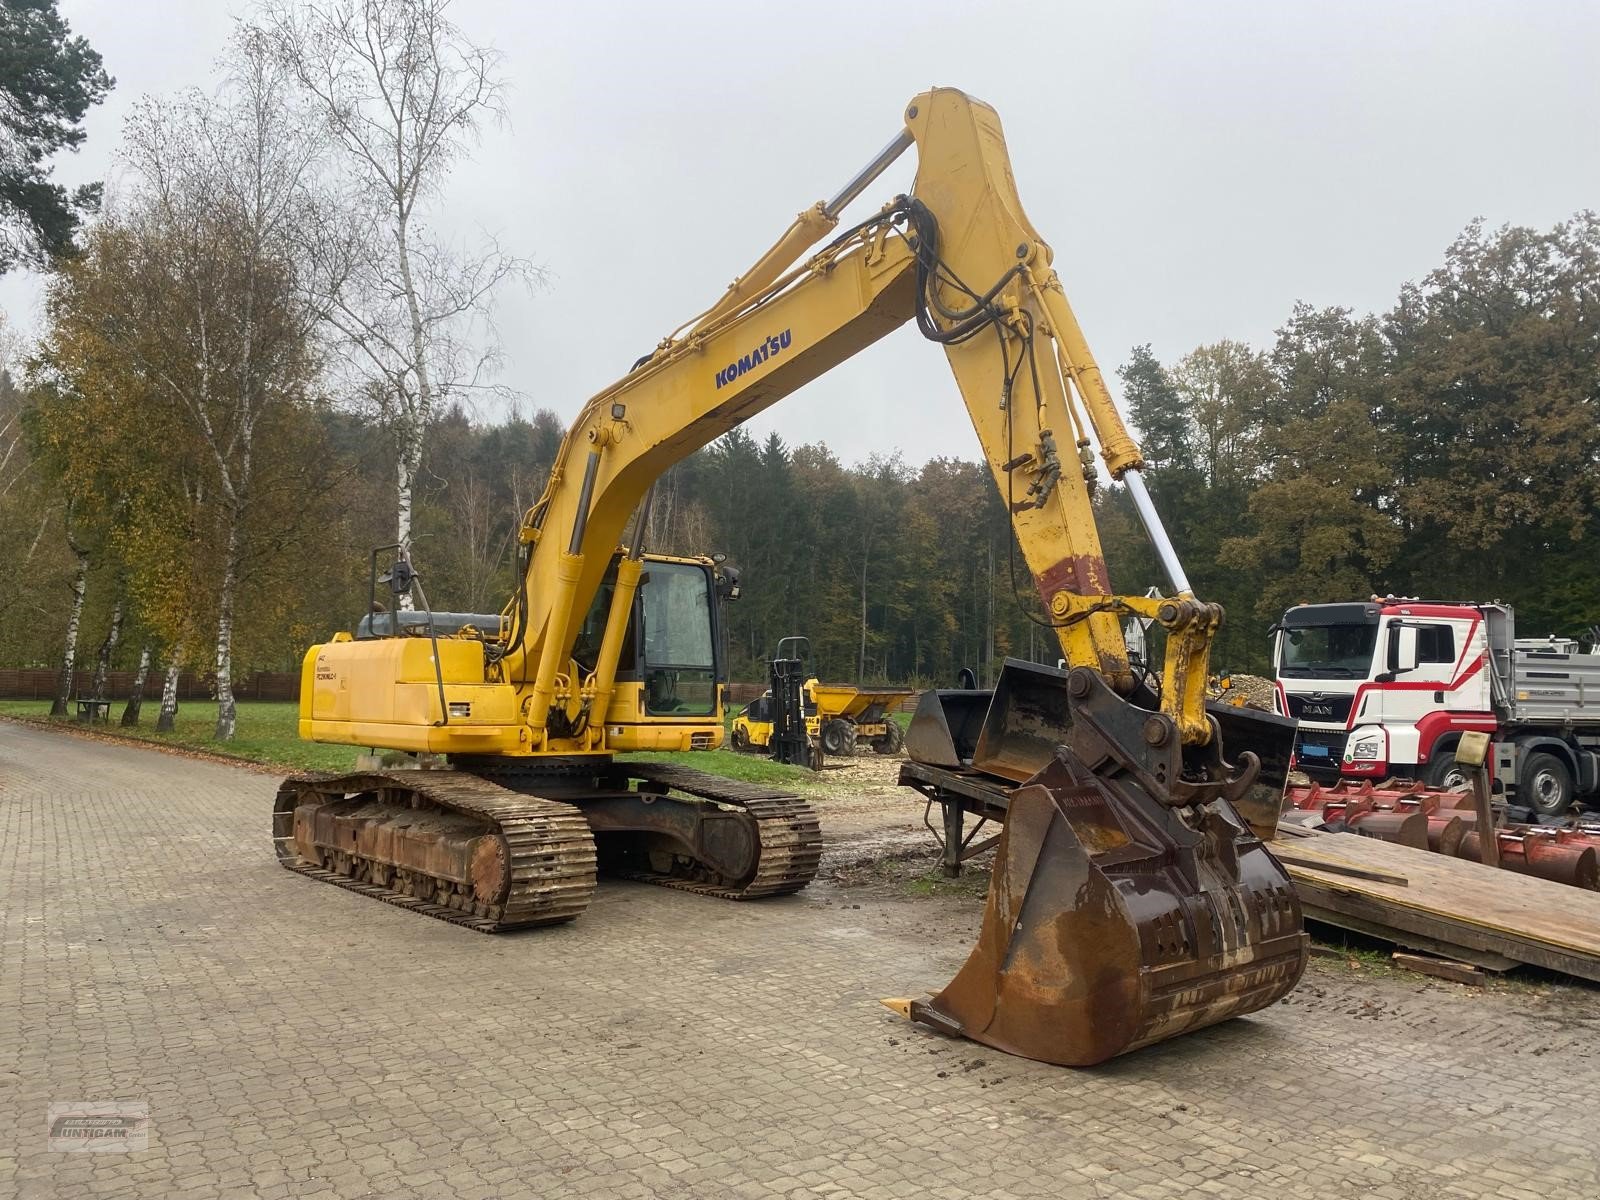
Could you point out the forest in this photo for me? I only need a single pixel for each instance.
(1449, 447)
(259, 360)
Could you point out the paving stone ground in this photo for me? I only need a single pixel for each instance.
(292, 1039)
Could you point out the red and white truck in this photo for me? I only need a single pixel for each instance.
(1384, 689)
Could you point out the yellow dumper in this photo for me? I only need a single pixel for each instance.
(849, 716)
(838, 715)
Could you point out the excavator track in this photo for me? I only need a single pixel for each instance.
(540, 853)
(788, 834)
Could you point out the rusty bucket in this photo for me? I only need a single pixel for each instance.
(1113, 922)
(1028, 717)
(945, 726)
(1129, 901)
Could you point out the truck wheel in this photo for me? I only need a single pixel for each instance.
(1546, 785)
(893, 739)
(1444, 772)
(741, 739)
(839, 738)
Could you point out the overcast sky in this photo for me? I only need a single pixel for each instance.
(1197, 167)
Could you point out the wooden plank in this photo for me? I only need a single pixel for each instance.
(1455, 902)
(1400, 917)
(1338, 868)
(1455, 889)
(1439, 968)
(1486, 959)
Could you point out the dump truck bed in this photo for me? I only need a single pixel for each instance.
(845, 700)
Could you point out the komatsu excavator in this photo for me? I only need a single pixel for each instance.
(1131, 902)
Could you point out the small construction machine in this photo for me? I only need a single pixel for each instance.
(781, 714)
(840, 717)
(849, 717)
(1130, 903)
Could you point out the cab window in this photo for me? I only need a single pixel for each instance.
(680, 665)
(1436, 644)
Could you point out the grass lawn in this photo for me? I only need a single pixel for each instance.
(266, 732)
(730, 764)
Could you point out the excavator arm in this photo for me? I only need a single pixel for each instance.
(961, 259)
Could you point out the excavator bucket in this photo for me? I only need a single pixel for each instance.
(1027, 720)
(944, 728)
(1010, 731)
(1271, 739)
(1129, 903)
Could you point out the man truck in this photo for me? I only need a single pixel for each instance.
(1385, 689)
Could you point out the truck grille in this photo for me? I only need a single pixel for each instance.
(1334, 710)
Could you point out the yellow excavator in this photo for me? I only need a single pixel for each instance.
(1129, 903)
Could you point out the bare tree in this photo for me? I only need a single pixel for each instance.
(402, 92)
(26, 510)
(13, 457)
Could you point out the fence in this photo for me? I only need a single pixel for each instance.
(39, 683)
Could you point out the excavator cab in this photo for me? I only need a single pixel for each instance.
(668, 693)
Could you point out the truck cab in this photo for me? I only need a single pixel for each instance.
(1385, 688)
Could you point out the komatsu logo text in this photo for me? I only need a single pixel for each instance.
(771, 348)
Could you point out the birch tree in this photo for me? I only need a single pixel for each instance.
(402, 93)
(195, 289)
(130, 711)
(108, 647)
(29, 511)
(76, 589)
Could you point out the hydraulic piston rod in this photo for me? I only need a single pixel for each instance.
(863, 178)
(1157, 532)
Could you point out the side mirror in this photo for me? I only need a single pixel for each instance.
(1406, 656)
(1402, 655)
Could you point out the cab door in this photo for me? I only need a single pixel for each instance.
(1422, 658)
